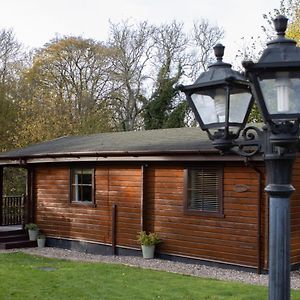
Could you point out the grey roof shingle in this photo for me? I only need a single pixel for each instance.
(150, 141)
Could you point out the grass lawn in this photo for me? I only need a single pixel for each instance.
(30, 277)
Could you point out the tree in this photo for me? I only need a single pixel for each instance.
(288, 8)
(170, 55)
(158, 111)
(10, 65)
(65, 90)
(293, 31)
(133, 45)
(205, 36)
(175, 58)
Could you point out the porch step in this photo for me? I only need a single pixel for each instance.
(15, 239)
(12, 237)
(18, 244)
(12, 232)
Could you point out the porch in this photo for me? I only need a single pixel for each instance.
(12, 222)
(13, 211)
(10, 228)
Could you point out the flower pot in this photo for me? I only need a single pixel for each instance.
(32, 234)
(148, 251)
(41, 242)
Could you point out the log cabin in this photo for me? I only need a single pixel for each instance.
(94, 193)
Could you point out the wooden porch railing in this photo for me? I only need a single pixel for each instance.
(13, 210)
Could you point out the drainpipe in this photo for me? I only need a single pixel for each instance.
(142, 203)
(114, 229)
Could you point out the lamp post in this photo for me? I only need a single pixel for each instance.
(221, 100)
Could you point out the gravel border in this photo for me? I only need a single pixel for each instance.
(160, 264)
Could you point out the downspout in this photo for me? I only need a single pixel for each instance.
(142, 203)
(114, 229)
(113, 220)
(259, 206)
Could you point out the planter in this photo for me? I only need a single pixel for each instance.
(148, 251)
(41, 242)
(32, 234)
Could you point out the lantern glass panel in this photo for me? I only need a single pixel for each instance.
(281, 92)
(239, 105)
(211, 105)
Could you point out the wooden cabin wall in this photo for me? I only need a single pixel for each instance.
(295, 215)
(57, 217)
(231, 238)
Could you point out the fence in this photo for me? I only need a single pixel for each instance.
(13, 210)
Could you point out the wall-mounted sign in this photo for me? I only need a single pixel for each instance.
(241, 188)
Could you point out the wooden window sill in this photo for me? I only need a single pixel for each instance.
(80, 204)
(204, 213)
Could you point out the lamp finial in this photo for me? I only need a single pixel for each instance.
(280, 23)
(219, 51)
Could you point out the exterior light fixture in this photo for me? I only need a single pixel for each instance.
(221, 101)
(275, 83)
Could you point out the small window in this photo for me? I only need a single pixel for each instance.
(204, 190)
(82, 185)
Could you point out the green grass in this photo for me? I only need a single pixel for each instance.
(28, 277)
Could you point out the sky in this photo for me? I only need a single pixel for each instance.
(36, 22)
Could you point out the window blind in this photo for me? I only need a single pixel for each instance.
(204, 189)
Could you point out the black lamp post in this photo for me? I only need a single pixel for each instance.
(221, 100)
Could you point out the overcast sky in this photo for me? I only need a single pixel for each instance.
(35, 22)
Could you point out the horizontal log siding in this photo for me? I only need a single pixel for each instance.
(295, 215)
(57, 217)
(232, 238)
(125, 191)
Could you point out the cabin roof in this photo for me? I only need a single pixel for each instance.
(175, 140)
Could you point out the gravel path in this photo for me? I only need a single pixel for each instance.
(159, 264)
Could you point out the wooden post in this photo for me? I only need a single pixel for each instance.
(29, 204)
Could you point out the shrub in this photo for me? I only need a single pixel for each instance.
(31, 226)
(148, 239)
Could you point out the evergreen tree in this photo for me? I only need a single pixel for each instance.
(163, 110)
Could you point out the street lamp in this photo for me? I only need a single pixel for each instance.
(275, 84)
(221, 101)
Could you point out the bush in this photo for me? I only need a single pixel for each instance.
(148, 239)
(31, 226)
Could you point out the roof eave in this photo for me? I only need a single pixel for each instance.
(150, 155)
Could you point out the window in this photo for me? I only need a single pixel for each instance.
(82, 185)
(204, 190)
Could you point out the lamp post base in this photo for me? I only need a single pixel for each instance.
(279, 244)
(280, 189)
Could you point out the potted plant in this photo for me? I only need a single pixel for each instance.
(32, 231)
(41, 240)
(148, 242)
